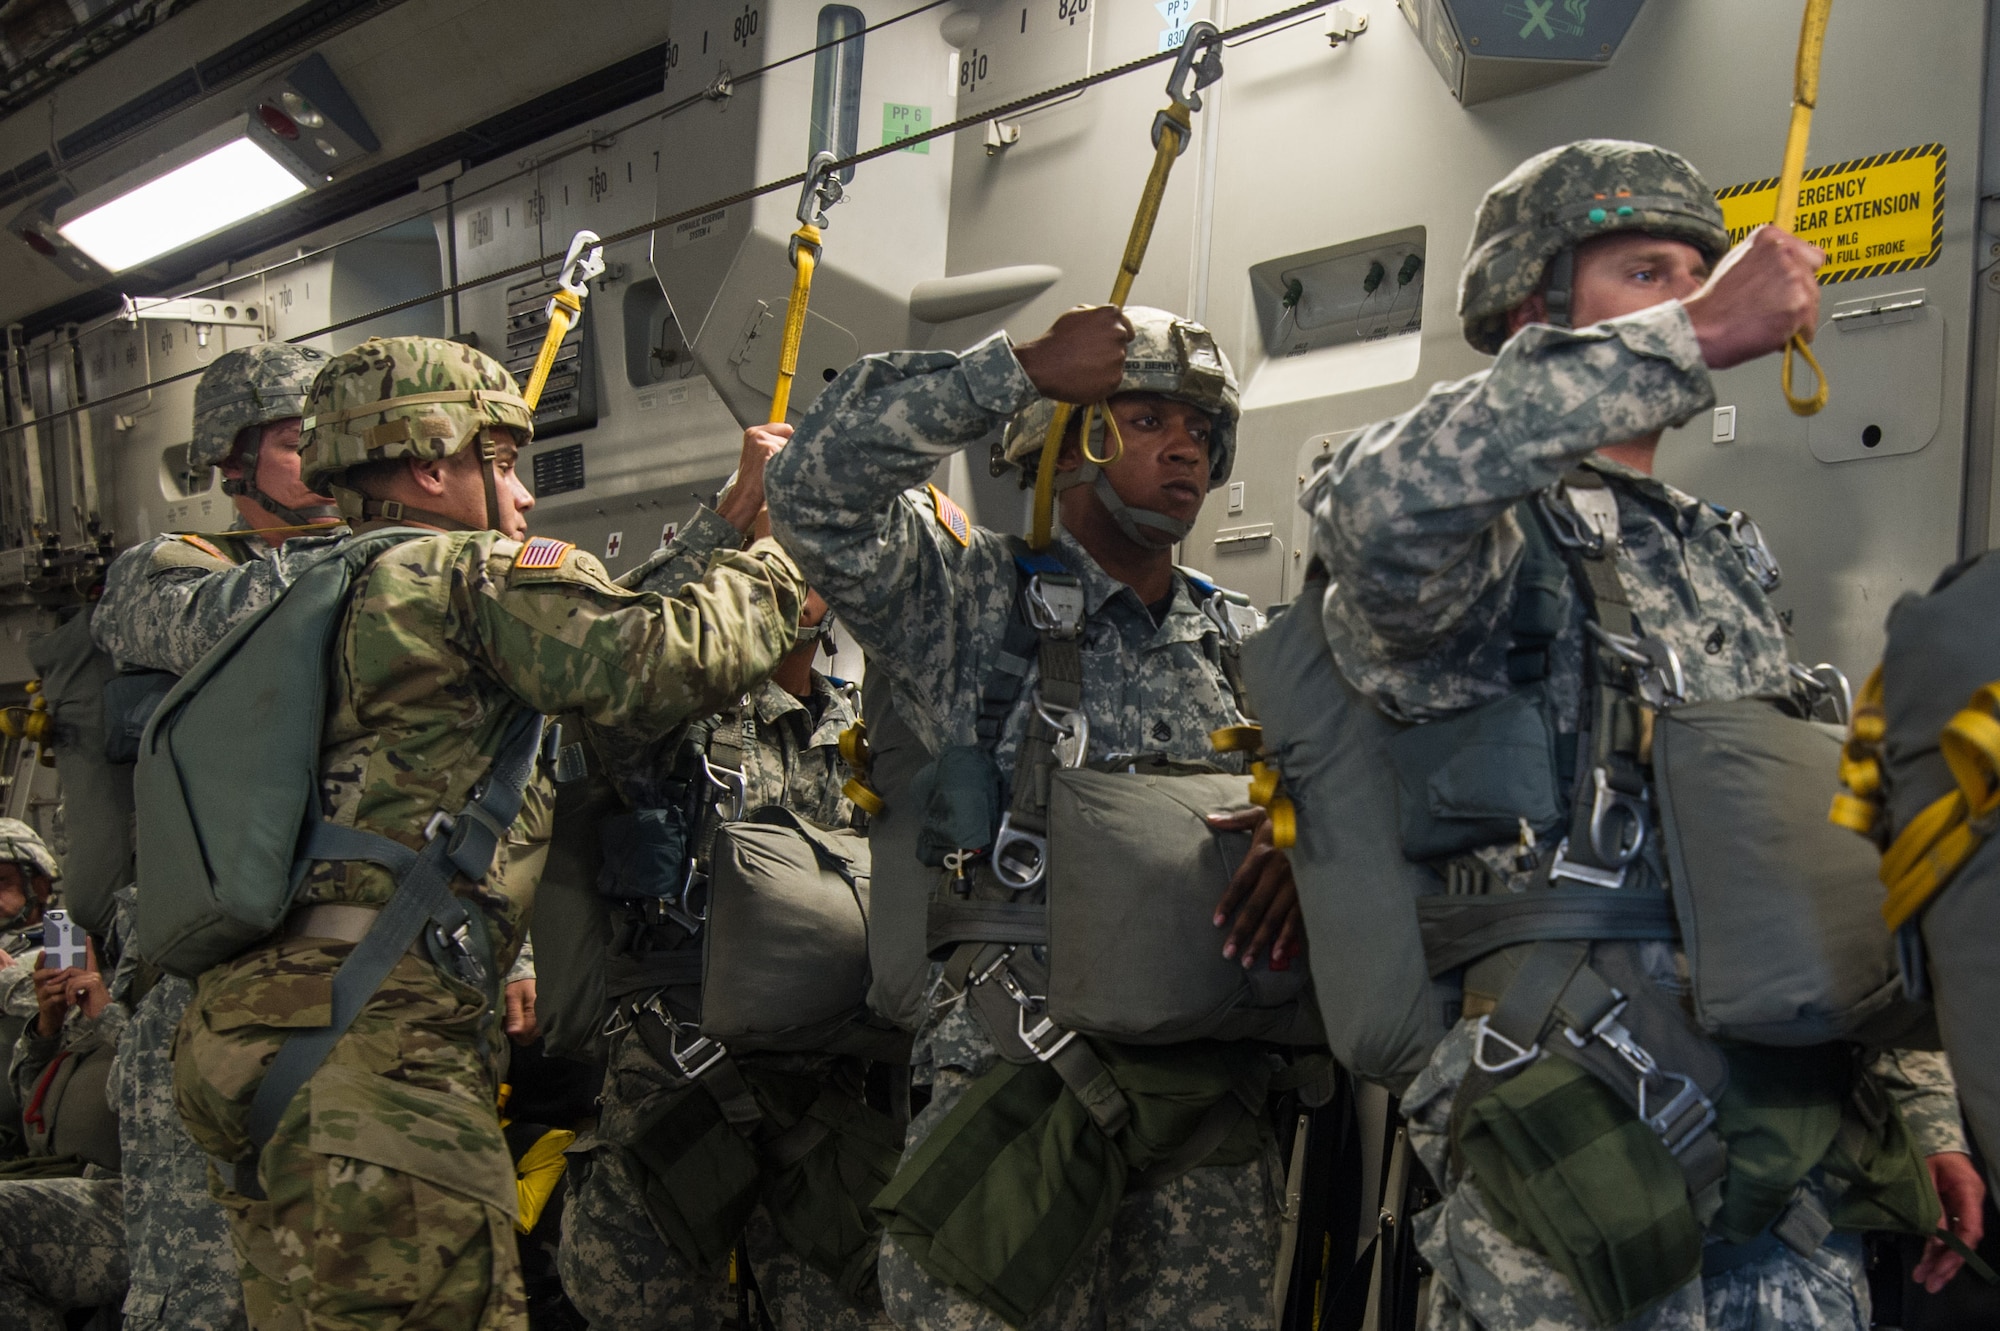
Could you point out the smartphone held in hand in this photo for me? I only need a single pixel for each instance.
(62, 941)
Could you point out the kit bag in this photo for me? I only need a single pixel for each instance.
(785, 946)
(1780, 911)
(1383, 1013)
(572, 928)
(1135, 874)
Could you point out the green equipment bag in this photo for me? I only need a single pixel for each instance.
(785, 945)
(221, 859)
(1382, 1011)
(900, 886)
(572, 929)
(83, 686)
(1780, 911)
(1134, 877)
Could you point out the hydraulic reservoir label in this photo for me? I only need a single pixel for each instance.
(1873, 215)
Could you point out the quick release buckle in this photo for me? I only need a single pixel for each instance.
(1827, 686)
(697, 1057)
(730, 782)
(1516, 1056)
(1018, 859)
(1234, 620)
(1054, 604)
(1757, 556)
(1606, 840)
(1072, 742)
(681, 907)
(1656, 665)
(1664, 1120)
(1033, 1005)
(1565, 867)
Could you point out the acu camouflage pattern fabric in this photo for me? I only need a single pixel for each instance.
(167, 600)
(23, 845)
(1413, 519)
(352, 416)
(63, 1249)
(391, 1193)
(252, 386)
(932, 613)
(1563, 197)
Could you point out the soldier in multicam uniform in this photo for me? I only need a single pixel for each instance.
(28, 873)
(390, 1196)
(930, 597)
(1414, 521)
(617, 1267)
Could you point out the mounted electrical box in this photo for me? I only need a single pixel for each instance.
(1490, 48)
(726, 270)
(569, 401)
(1339, 318)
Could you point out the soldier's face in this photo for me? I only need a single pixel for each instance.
(1631, 271)
(17, 888)
(1165, 463)
(278, 467)
(463, 487)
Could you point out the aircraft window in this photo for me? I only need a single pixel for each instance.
(836, 99)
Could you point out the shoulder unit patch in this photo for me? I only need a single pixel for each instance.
(950, 516)
(541, 552)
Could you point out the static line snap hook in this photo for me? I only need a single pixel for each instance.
(584, 261)
(1205, 42)
(822, 190)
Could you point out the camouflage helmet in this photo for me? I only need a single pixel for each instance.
(1558, 199)
(21, 844)
(398, 397)
(252, 386)
(1168, 355)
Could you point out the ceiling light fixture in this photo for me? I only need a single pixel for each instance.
(217, 185)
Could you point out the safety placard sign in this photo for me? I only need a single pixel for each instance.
(1873, 215)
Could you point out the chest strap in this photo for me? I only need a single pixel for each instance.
(423, 904)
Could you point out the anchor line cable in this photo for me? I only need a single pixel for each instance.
(1018, 105)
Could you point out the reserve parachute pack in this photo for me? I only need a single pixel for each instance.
(1922, 777)
(1084, 905)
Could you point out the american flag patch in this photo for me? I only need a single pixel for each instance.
(541, 552)
(951, 517)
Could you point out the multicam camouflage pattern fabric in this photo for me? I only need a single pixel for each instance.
(352, 417)
(391, 1193)
(932, 612)
(168, 600)
(445, 640)
(251, 386)
(1196, 1252)
(62, 1248)
(21, 844)
(1413, 520)
(1169, 355)
(1564, 197)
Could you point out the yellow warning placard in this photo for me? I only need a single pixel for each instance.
(1873, 215)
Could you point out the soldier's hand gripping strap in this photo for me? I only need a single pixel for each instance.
(465, 845)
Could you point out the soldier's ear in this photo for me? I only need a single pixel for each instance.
(428, 473)
(1533, 310)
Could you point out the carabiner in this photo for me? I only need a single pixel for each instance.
(1203, 40)
(821, 191)
(584, 261)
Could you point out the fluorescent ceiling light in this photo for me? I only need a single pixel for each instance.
(191, 202)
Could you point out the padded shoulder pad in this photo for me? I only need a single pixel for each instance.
(188, 550)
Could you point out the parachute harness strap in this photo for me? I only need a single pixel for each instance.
(1200, 64)
(584, 261)
(1267, 784)
(1805, 96)
(822, 190)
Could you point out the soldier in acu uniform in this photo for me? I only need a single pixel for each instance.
(618, 1268)
(28, 873)
(931, 598)
(388, 1197)
(1589, 277)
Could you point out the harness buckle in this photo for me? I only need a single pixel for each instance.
(1565, 867)
(1827, 686)
(730, 782)
(1656, 665)
(1233, 621)
(1756, 551)
(1054, 604)
(1018, 859)
(440, 823)
(1518, 1056)
(697, 1057)
(1568, 527)
(683, 907)
(1607, 841)
(1072, 743)
(1033, 1005)
(1666, 1123)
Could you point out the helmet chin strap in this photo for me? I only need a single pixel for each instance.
(1560, 288)
(487, 452)
(1142, 526)
(245, 487)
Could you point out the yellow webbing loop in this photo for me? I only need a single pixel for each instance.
(1236, 739)
(1805, 96)
(1939, 840)
(854, 752)
(536, 1174)
(564, 306)
(1174, 129)
(1858, 808)
(805, 257)
(1266, 782)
